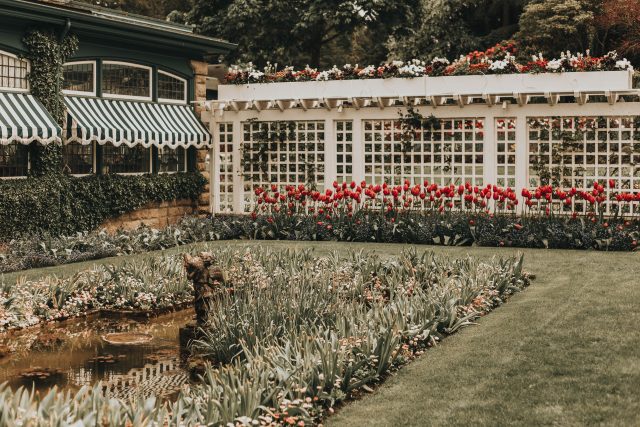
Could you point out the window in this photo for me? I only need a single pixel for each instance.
(13, 72)
(78, 159)
(172, 160)
(120, 80)
(14, 160)
(125, 159)
(79, 78)
(171, 88)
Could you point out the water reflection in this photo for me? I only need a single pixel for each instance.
(72, 354)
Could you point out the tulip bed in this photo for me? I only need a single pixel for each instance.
(449, 215)
(293, 335)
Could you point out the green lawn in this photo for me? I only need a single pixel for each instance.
(564, 352)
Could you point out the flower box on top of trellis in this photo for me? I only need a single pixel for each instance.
(569, 82)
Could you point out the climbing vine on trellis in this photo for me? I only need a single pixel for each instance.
(264, 146)
(47, 55)
(413, 121)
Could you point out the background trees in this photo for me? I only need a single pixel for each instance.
(327, 32)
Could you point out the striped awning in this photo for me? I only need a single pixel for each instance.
(131, 123)
(24, 120)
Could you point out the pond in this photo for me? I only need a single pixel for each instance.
(74, 353)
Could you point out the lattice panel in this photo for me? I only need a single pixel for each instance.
(576, 151)
(344, 151)
(282, 153)
(506, 149)
(225, 153)
(450, 153)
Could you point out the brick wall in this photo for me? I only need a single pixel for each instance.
(155, 215)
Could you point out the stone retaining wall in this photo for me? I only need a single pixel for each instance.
(155, 215)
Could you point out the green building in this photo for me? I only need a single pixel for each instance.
(130, 91)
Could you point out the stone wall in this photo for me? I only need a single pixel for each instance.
(201, 71)
(155, 215)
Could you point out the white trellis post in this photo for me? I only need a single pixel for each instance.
(330, 153)
(490, 153)
(358, 150)
(238, 180)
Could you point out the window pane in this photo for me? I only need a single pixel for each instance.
(14, 160)
(127, 80)
(126, 160)
(170, 88)
(78, 77)
(78, 159)
(172, 160)
(13, 72)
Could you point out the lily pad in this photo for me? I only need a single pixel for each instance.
(127, 338)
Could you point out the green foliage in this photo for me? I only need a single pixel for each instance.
(549, 26)
(58, 204)
(313, 24)
(47, 56)
(449, 228)
(151, 284)
(43, 251)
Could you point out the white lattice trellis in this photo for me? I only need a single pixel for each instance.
(453, 153)
(506, 149)
(282, 153)
(578, 151)
(344, 151)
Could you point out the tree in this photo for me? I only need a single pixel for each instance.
(553, 26)
(153, 8)
(453, 27)
(618, 27)
(293, 32)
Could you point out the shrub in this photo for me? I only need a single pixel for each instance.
(58, 204)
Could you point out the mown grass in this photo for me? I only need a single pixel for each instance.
(564, 352)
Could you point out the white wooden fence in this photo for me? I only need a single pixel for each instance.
(496, 129)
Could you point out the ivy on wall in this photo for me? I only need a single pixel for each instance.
(57, 204)
(47, 55)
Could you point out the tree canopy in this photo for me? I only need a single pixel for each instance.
(327, 32)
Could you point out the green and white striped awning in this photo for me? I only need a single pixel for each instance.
(24, 120)
(131, 123)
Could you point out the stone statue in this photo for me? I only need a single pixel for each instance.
(207, 280)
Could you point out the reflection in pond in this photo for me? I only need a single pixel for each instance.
(80, 356)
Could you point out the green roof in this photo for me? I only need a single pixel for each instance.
(108, 24)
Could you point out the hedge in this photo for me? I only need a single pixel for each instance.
(59, 204)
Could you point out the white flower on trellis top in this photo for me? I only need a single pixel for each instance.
(554, 65)
(367, 71)
(256, 75)
(323, 76)
(440, 61)
(624, 64)
(498, 65)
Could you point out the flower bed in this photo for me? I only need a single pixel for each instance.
(453, 215)
(44, 251)
(499, 59)
(150, 285)
(334, 325)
